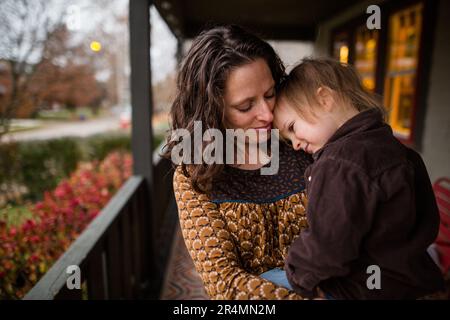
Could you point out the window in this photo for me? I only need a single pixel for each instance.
(341, 47)
(361, 52)
(401, 73)
(366, 55)
(388, 60)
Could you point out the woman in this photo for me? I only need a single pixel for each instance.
(236, 222)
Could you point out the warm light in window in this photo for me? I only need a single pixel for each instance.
(405, 28)
(371, 44)
(96, 46)
(343, 54)
(369, 83)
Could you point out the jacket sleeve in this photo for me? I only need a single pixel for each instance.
(213, 251)
(341, 206)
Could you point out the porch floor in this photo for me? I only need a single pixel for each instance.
(182, 281)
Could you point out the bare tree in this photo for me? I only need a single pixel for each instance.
(26, 26)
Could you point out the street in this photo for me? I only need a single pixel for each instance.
(82, 128)
(65, 129)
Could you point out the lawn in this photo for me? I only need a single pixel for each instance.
(17, 125)
(15, 215)
(95, 147)
(67, 115)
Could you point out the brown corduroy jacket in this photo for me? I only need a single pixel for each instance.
(370, 203)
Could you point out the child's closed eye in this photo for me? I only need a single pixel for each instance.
(291, 127)
(287, 141)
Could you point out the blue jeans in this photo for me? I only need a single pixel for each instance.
(277, 276)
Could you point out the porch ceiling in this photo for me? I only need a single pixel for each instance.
(272, 19)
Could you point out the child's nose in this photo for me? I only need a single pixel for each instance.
(296, 145)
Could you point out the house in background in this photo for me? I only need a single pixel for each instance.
(124, 252)
(406, 63)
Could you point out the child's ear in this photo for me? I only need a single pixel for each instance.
(325, 98)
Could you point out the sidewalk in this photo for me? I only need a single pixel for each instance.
(65, 129)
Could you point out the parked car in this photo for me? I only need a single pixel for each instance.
(124, 113)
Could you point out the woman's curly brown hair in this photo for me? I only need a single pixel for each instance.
(201, 84)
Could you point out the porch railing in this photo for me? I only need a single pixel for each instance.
(113, 251)
(123, 252)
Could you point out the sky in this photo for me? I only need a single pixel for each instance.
(84, 18)
(164, 46)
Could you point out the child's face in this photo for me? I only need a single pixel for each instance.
(309, 135)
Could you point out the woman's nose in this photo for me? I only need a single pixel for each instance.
(265, 112)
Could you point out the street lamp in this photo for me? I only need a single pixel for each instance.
(95, 46)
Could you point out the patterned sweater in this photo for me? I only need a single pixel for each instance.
(244, 227)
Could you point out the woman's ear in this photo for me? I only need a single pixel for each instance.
(326, 98)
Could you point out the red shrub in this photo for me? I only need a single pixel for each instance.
(28, 251)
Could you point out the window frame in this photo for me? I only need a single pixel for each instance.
(423, 64)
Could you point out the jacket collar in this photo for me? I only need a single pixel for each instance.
(363, 121)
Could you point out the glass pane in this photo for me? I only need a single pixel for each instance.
(400, 83)
(366, 55)
(340, 47)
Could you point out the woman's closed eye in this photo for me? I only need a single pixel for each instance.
(270, 96)
(246, 108)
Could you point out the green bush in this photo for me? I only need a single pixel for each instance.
(40, 165)
(9, 163)
(97, 147)
(37, 166)
(45, 163)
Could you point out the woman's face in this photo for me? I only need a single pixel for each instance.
(250, 98)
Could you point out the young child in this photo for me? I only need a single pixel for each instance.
(371, 209)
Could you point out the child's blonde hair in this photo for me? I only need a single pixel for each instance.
(300, 87)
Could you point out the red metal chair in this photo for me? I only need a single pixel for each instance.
(442, 192)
